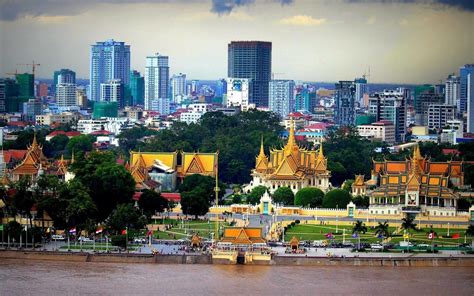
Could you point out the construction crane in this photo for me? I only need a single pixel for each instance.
(33, 66)
(13, 74)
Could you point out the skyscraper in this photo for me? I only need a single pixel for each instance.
(26, 84)
(110, 60)
(464, 72)
(66, 94)
(156, 79)
(361, 88)
(113, 91)
(63, 76)
(137, 88)
(391, 105)
(306, 100)
(452, 90)
(281, 97)
(178, 87)
(252, 60)
(470, 102)
(344, 112)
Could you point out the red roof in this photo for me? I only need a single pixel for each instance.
(8, 155)
(104, 132)
(172, 196)
(317, 125)
(60, 132)
(17, 123)
(447, 151)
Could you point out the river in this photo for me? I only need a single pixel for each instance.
(22, 277)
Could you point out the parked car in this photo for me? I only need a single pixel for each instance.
(423, 246)
(139, 240)
(85, 239)
(376, 246)
(57, 237)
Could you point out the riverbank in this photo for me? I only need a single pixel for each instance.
(408, 260)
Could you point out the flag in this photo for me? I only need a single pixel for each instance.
(456, 235)
(72, 230)
(99, 230)
(329, 235)
(406, 235)
(380, 235)
(124, 231)
(431, 235)
(149, 233)
(355, 235)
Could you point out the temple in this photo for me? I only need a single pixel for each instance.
(290, 166)
(163, 167)
(416, 185)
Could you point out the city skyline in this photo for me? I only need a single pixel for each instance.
(401, 41)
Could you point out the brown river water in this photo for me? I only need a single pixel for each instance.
(19, 277)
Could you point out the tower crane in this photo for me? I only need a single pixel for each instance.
(33, 66)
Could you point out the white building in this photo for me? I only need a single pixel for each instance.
(453, 131)
(110, 124)
(112, 92)
(381, 130)
(66, 95)
(62, 118)
(438, 115)
(156, 79)
(281, 98)
(178, 87)
(452, 90)
(161, 105)
(194, 113)
(238, 93)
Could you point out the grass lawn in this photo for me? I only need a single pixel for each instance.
(318, 232)
(202, 228)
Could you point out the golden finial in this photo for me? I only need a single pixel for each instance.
(262, 151)
(321, 154)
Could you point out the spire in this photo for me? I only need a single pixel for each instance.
(34, 144)
(415, 161)
(291, 137)
(262, 151)
(321, 154)
(417, 153)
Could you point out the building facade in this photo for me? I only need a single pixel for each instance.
(470, 103)
(344, 111)
(281, 97)
(178, 87)
(239, 92)
(381, 130)
(63, 76)
(391, 105)
(156, 79)
(452, 88)
(252, 60)
(66, 95)
(137, 88)
(438, 115)
(464, 72)
(112, 91)
(361, 89)
(110, 60)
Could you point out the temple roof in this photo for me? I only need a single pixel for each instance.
(243, 235)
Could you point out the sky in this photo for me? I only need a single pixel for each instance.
(400, 41)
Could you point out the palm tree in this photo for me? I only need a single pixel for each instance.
(408, 223)
(382, 230)
(359, 227)
(470, 230)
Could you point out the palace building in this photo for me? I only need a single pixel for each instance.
(164, 168)
(291, 166)
(416, 185)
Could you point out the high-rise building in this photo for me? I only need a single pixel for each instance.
(464, 72)
(156, 79)
(63, 76)
(344, 112)
(425, 100)
(11, 89)
(470, 102)
(26, 85)
(361, 88)
(391, 105)
(221, 88)
(306, 100)
(451, 92)
(252, 60)
(113, 91)
(438, 115)
(42, 90)
(110, 60)
(238, 93)
(162, 105)
(66, 94)
(3, 95)
(178, 87)
(31, 108)
(281, 97)
(81, 97)
(420, 90)
(137, 88)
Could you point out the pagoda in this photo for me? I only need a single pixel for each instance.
(32, 164)
(291, 166)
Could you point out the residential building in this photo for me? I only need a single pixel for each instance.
(381, 130)
(306, 100)
(63, 76)
(221, 88)
(42, 90)
(178, 87)
(425, 100)
(464, 72)
(112, 91)
(470, 103)
(66, 95)
(81, 97)
(344, 111)
(137, 88)
(239, 92)
(281, 97)
(438, 115)
(452, 90)
(391, 105)
(156, 80)
(3, 95)
(252, 60)
(32, 108)
(112, 125)
(110, 60)
(194, 113)
(452, 131)
(133, 113)
(62, 118)
(361, 88)
(162, 105)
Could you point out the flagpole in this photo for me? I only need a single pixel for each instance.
(217, 196)
(126, 238)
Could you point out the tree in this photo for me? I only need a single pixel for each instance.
(151, 202)
(382, 230)
(23, 199)
(206, 183)
(195, 202)
(80, 143)
(236, 198)
(13, 229)
(408, 223)
(309, 196)
(470, 230)
(80, 206)
(59, 142)
(348, 185)
(284, 195)
(359, 227)
(336, 198)
(361, 201)
(256, 193)
(125, 216)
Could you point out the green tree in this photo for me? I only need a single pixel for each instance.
(382, 230)
(359, 227)
(336, 198)
(236, 199)
(195, 202)
(80, 143)
(361, 201)
(59, 142)
(470, 230)
(408, 223)
(284, 195)
(206, 183)
(309, 196)
(125, 216)
(23, 199)
(13, 229)
(80, 206)
(151, 202)
(348, 185)
(257, 192)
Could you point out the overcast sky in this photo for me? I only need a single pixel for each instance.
(403, 41)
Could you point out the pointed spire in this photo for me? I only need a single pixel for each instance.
(262, 151)
(291, 137)
(34, 143)
(321, 154)
(417, 153)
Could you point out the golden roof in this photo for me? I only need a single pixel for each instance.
(198, 163)
(167, 158)
(359, 180)
(34, 158)
(243, 235)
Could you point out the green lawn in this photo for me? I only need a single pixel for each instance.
(180, 231)
(318, 232)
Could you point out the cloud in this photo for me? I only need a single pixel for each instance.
(302, 20)
(222, 7)
(467, 5)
